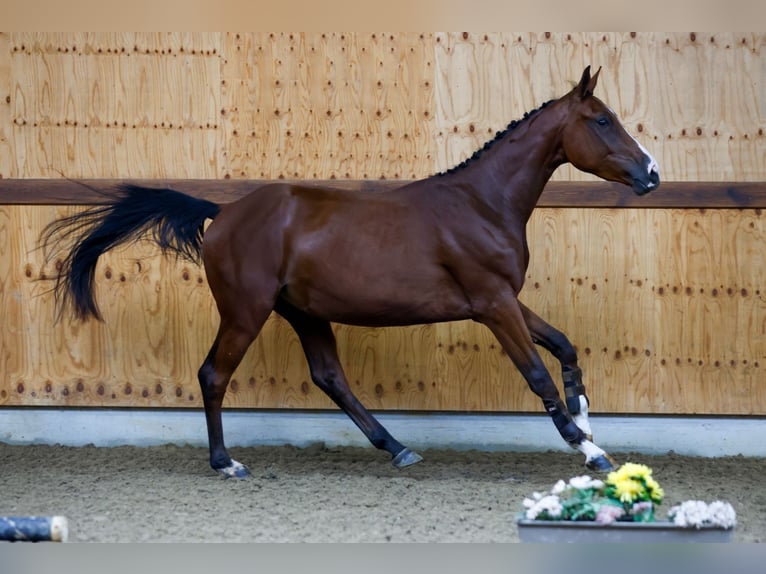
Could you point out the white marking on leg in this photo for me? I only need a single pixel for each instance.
(590, 450)
(234, 470)
(581, 418)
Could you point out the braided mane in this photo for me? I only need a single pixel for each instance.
(498, 136)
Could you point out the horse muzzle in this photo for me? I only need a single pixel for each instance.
(646, 183)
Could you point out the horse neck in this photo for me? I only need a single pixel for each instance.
(511, 174)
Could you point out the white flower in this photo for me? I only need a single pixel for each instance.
(559, 487)
(549, 505)
(696, 513)
(585, 481)
(689, 513)
(722, 514)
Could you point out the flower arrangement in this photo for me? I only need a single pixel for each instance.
(698, 514)
(629, 494)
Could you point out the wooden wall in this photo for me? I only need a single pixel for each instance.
(667, 306)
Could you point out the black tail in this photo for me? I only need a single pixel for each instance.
(174, 220)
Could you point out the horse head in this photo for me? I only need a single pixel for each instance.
(595, 141)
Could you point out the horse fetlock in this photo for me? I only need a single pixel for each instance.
(595, 457)
(602, 463)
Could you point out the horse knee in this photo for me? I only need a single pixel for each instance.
(566, 351)
(210, 383)
(205, 376)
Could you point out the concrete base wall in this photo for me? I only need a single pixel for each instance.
(694, 436)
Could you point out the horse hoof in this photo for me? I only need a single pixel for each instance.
(234, 470)
(601, 463)
(406, 457)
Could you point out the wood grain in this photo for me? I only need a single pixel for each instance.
(668, 90)
(362, 106)
(664, 322)
(84, 108)
(662, 295)
(330, 105)
(6, 154)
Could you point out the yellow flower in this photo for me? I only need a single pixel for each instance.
(630, 470)
(633, 482)
(628, 490)
(655, 490)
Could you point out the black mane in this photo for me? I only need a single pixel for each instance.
(498, 136)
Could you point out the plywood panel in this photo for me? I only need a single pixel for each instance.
(104, 105)
(663, 322)
(334, 105)
(651, 340)
(159, 323)
(484, 81)
(607, 264)
(120, 362)
(665, 306)
(711, 280)
(340, 105)
(695, 100)
(706, 103)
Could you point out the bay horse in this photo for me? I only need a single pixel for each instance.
(448, 247)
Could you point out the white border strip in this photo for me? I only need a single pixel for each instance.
(692, 436)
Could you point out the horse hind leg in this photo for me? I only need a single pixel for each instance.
(319, 345)
(227, 351)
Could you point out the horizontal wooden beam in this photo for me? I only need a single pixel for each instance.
(672, 194)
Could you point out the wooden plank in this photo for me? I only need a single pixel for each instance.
(674, 194)
(6, 154)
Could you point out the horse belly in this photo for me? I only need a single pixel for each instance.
(378, 298)
(367, 260)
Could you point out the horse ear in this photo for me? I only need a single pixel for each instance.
(588, 83)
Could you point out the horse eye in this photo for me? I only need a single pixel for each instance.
(603, 121)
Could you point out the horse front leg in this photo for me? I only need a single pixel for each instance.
(557, 343)
(505, 319)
